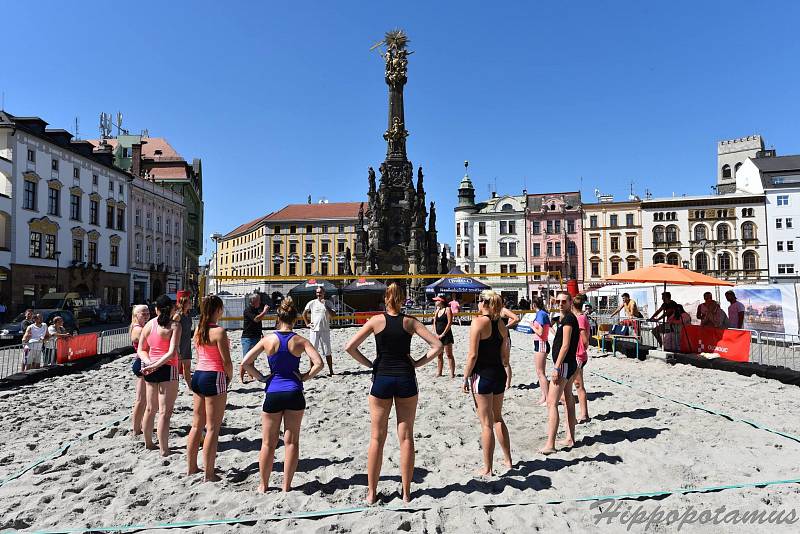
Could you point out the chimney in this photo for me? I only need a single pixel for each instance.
(104, 153)
(136, 159)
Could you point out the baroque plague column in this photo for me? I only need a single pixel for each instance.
(392, 237)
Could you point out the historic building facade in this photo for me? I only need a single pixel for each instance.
(392, 233)
(555, 241)
(721, 235)
(731, 155)
(63, 209)
(612, 239)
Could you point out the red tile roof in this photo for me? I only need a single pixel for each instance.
(166, 173)
(149, 147)
(244, 227)
(331, 210)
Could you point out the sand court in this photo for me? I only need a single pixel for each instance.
(640, 440)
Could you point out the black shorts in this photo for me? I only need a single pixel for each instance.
(209, 383)
(165, 373)
(582, 364)
(485, 385)
(389, 387)
(541, 346)
(136, 366)
(568, 369)
(279, 401)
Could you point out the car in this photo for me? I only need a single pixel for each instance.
(109, 313)
(11, 333)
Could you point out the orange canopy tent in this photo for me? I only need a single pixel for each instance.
(668, 274)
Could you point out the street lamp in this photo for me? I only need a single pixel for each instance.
(216, 236)
(57, 255)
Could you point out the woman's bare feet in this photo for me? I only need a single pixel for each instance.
(508, 463)
(542, 402)
(547, 451)
(150, 446)
(371, 498)
(166, 452)
(213, 478)
(481, 473)
(567, 443)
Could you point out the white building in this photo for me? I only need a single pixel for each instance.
(157, 218)
(490, 238)
(778, 178)
(721, 235)
(63, 212)
(731, 155)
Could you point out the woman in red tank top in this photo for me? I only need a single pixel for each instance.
(158, 350)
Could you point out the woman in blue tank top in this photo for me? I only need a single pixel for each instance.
(393, 382)
(283, 399)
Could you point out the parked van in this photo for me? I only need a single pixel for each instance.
(82, 306)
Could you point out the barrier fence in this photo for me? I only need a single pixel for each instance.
(35, 354)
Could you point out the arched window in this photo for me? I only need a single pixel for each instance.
(724, 261)
(736, 168)
(672, 234)
(616, 261)
(701, 262)
(723, 232)
(659, 258)
(673, 258)
(749, 260)
(507, 207)
(748, 230)
(726, 171)
(700, 232)
(658, 234)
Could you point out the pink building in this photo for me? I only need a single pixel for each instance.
(555, 242)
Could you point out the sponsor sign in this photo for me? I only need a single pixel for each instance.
(76, 347)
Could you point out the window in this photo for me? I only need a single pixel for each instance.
(550, 249)
(778, 223)
(292, 229)
(76, 173)
(110, 218)
(557, 225)
(570, 227)
(512, 249)
(504, 269)
(783, 200)
(466, 249)
(148, 254)
(482, 249)
(276, 269)
(503, 249)
(54, 164)
(29, 196)
(293, 247)
(77, 250)
(341, 228)
(340, 247)
(482, 228)
(788, 222)
(292, 269)
(723, 232)
(748, 231)
(747, 212)
(138, 252)
(780, 246)
(724, 261)
(593, 221)
(35, 246)
(572, 248)
(114, 255)
(630, 243)
(31, 155)
(615, 244)
(324, 248)
(458, 250)
(629, 219)
(458, 229)
(658, 234)
(276, 248)
(790, 246)
(53, 197)
(631, 265)
(672, 234)
(786, 268)
(158, 223)
(615, 266)
(324, 267)
(558, 248)
(613, 221)
(94, 208)
(111, 186)
(659, 258)
(92, 252)
(726, 171)
(308, 268)
(120, 218)
(673, 259)
(537, 250)
(700, 232)
(701, 262)
(309, 247)
(536, 227)
(121, 189)
(749, 261)
(309, 228)
(595, 269)
(466, 229)
(482, 269)
(276, 229)
(594, 245)
(512, 268)
(75, 207)
(95, 179)
(49, 246)
(549, 227)
(137, 217)
(699, 214)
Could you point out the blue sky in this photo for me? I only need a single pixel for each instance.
(281, 102)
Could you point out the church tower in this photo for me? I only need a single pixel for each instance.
(394, 238)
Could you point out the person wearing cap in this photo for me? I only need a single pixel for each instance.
(443, 328)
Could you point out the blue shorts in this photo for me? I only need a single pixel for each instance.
(165, 373)
(209, 383)
(136, 366)
(389, 387)
(279, 401)
(484, 385)
(541, 346)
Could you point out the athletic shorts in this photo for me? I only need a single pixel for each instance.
(567, 370)
(209, 383)
(279, 401)
(165, 373)
(136, 367)
(540, 345)
(389, 387)
(484, 385)
(321, 341)
(582, 363)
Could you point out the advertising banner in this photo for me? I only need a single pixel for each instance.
(76, 347)
(725, 343)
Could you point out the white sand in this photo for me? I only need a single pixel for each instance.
(635, 443)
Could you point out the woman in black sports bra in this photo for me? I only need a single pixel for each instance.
(393, 382)
(443, 325)
(487, 373)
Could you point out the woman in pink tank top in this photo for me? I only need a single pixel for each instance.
(158, 350)
(210, 385)
(139, 317)
(582, 356)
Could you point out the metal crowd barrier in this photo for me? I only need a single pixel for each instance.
(109, 340)
(777, 348)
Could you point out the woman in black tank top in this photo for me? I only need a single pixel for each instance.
(443, 325)
(487, 374)
(393, 383)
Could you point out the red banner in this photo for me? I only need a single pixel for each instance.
(729, 344)
(76, 347)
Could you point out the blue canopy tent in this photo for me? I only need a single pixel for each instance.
(456, 281)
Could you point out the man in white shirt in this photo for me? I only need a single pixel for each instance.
(33, 340)
(735, 311)
(317, 315)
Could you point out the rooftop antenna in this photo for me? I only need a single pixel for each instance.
(647, 194)
(105, 125)
(77, 129)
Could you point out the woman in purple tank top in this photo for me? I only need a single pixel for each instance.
(283, 399)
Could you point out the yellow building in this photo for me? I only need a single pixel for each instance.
(612, 239)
